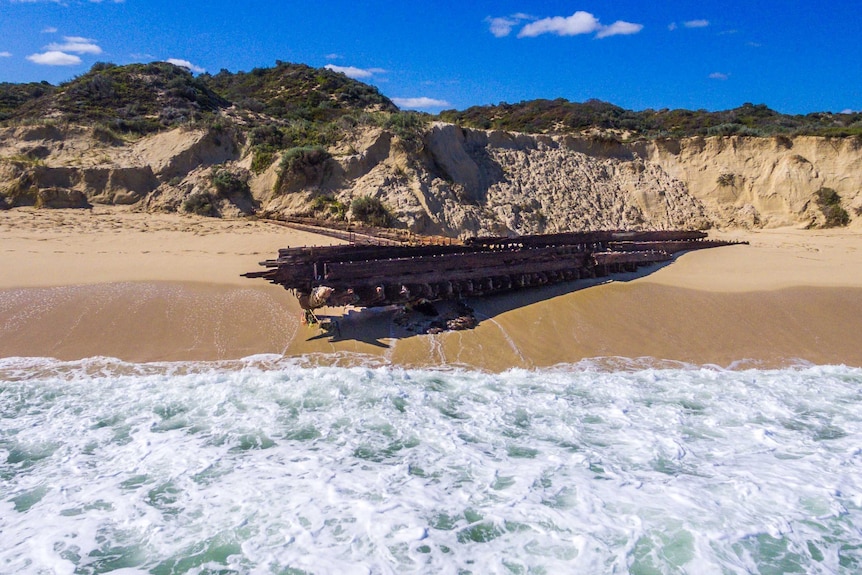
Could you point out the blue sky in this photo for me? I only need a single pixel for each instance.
(795, 57)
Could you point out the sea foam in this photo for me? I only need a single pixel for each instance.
(273, 465)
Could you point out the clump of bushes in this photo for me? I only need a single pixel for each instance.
(227, 182)
(829, 203)
(201, 204)
(105, 134)
(262, 159)
(268, 139)
(268, 135)
(329, 206)
(371, 211)
(303, 165)
(301, 158)
(408, 126)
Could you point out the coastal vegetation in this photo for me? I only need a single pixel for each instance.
(829, 203)
(14, 96)
(137, 98)
(328, 207)
(561, 116)
(292, 140)
(291, 105)
(370, 210)
(201, 204)
(296, 92)
(300, 166)
(228, 182)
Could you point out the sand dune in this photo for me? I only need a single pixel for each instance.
(150, 287)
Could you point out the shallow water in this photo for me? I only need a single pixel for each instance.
(271, 465)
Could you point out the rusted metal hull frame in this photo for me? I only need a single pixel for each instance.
(370, 276)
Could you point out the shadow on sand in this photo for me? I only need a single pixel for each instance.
(372, 325)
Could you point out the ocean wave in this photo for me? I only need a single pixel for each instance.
(13, 368)
(271, 464)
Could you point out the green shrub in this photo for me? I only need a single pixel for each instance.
(407, 126)
(268, 135)
(298, 159)
(371, 211)
(829, 203)
(329, 206)
(262, 159)
(200, 203)
(304, 133)
(302, 164)
(227, 182)
(106, 135)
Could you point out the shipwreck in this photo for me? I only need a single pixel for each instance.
(364, 275)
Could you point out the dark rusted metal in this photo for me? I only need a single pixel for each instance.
(379, 275)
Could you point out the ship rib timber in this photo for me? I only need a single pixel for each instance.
(370, 276)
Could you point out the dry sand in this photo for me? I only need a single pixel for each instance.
(153, 287)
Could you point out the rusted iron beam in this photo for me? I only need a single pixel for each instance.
(567, 238)
(643, 257)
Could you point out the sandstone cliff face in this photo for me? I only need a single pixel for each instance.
(764, 181)
(79, 168)
(453, 181)
(470, 181)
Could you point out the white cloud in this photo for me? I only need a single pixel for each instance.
(420, 103)
(719, 76)
(54, 58)
(696, 24)
(185, 64)
(501, 27)
(672, 26)
(49, 30)
(75, 44)
(333, 56)
(848, 111)
(5, 54)
(578, 23)
(354, 72)
(619, 28)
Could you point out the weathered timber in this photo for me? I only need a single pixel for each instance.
(368, 275)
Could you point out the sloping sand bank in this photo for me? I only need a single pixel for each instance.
(146, 287)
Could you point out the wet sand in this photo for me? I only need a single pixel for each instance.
(144, 287)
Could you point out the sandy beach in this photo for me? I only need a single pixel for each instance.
(167, 287)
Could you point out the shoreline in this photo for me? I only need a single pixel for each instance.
(164, 287)
(143, 322)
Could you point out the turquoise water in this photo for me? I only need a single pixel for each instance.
(271, 465)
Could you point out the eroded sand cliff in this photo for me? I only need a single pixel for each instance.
(451, 180)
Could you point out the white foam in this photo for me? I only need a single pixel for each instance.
(267, 463)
